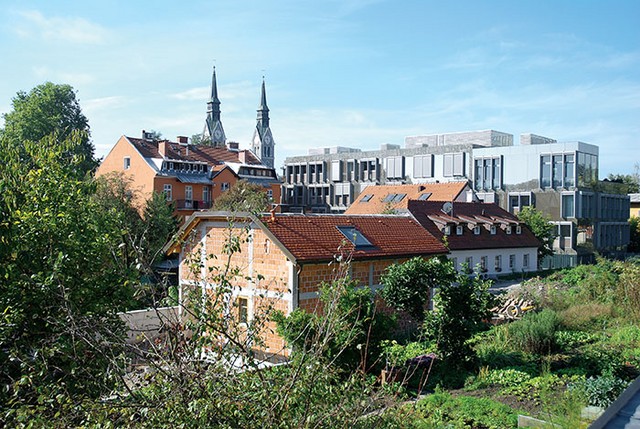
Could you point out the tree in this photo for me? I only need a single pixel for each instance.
(46, 110)
(541, 227)
(61, 280)
(243, 197)
(461, 307)
(408, 286)
(143, 232)
(631, 180)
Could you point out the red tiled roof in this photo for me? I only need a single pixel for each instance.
(430, 215)
(176, 151)
(317, 238)
(371, 199)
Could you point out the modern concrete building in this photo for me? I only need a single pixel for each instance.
(560, 179)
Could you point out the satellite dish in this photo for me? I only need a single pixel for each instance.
(447, 207)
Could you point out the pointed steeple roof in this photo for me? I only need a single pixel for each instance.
(263, 111)
(213, 130)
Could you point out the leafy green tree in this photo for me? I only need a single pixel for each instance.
(631, 180)
(197, 139)
(243, 196)
(461, 307)
(541, 227)
(61, 280)
(408, 286)
(47, 109)
(143, 232)
(358, 331)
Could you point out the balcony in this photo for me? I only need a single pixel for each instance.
(192, 205)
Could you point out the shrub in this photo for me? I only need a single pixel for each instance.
(601, 391)
(444, 410)
(535, 332)
(570, 340)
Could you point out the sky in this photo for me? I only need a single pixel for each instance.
(356, 73)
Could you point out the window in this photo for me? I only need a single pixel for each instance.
(525, 261)
(512, 262)
(459, 229)
(127, 162)
(168, 194)
(508, 230)
(454, 261)
(453, 164)
(206, 194)
(493, 230)
(424, 197)
(188, 193)
(488, 173)
(366, 198)
(498, 263)
(568, 205)
(559, 171)
(395, 167)
(354, 236)
(518, 229)
(483, 263)
(447, 230)
(518, 200)
(545, 171)
(267, 246)
(398, 198)
(469, 262)
(243, 310)
(423, 166)
(476, 230)
(336, 171)
(224, 186)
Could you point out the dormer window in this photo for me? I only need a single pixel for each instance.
(493, 230)
(508, 230)
(447, 230)
(518, 229)
(476, 230)
(459, 230)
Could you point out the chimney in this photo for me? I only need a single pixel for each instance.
(242, 156)
(162, 148)
(183, 139)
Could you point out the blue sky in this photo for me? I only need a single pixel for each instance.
(356, 73)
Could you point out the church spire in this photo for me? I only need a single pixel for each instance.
(262, 144)
(263, 111)
(213, 130)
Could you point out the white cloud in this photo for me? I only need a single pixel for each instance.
(104, 103)
(65, 29)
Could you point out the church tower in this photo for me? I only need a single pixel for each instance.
(213, 131)
(262, 144)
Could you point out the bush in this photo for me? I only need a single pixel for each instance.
(601, 391)
(535, 332)
(444, 410)
(571, 340)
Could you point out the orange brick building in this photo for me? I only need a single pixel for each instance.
(192, 176)
(284, 258)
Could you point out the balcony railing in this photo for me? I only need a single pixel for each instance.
(192, 205)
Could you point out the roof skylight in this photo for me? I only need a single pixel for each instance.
(354, 236)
